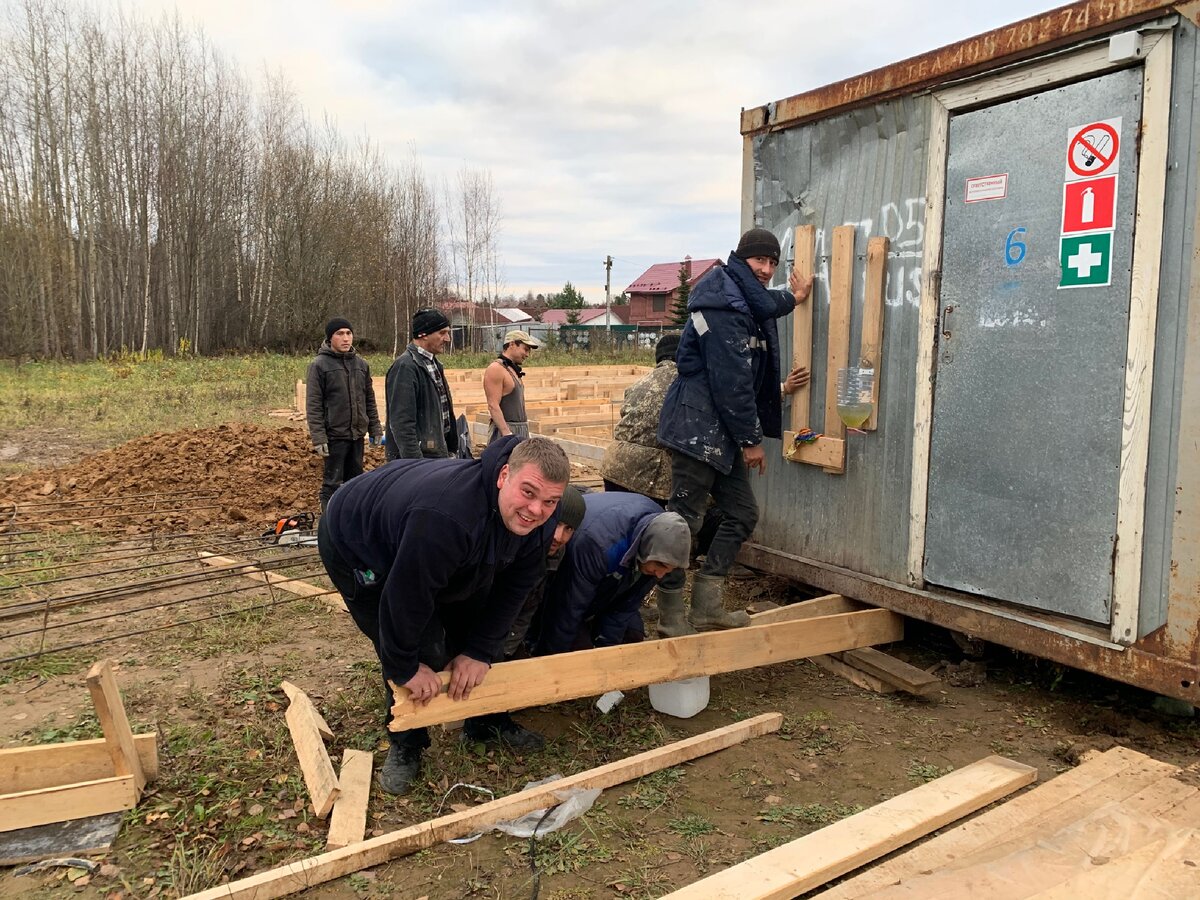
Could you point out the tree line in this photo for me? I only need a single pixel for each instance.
(151, 199)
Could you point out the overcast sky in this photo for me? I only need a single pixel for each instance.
(608, 127)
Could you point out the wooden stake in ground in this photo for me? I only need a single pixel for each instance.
(814, 859)
(333, 864)
(565, 676)
(319, 776)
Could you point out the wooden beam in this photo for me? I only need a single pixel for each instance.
(283, 582)
(348, 824)
(826, 452)
(814, 859)
(53, 765)
(841, 291)
(319, 776)
(305, 873)
(110, 710)
(68, 801)
(828, 605)
(872, 327)
(322, 726)
(566, 676)
(803, 259)
(890, 670)
(834, 665)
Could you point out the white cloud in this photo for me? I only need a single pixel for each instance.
(607, 127)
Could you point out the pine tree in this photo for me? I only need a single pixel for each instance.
(679, 313)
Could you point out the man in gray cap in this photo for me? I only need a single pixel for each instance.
(420, 410)
(723, 402)
(625, 545)
(502, 386)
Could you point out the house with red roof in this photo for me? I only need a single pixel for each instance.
(652, 295)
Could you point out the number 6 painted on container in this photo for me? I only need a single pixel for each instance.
(1014, 250)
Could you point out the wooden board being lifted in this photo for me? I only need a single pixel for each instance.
(305, 873)
(566, 676)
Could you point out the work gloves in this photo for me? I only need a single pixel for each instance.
(321, 449)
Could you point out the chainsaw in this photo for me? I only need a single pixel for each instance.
(293, 529)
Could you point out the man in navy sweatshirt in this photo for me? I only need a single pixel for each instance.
(434, 558)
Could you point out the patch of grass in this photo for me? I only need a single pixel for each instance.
(643, 882)
(196, 866)
(921, 771)
(563, 852)
(691, 826)
(84, 728)
(654, 790)
(807, 814)
(48, 665)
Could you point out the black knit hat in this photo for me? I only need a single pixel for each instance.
(666, 347)
(427, 321)
(571, 508)
(335, 325)
(758, 242)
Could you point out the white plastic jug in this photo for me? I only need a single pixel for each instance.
(682, 699)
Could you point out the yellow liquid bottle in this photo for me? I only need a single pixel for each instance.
(854, 414)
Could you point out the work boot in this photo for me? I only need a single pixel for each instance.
(499, 728)
(671, 620)
(708, 605)
(400, 770)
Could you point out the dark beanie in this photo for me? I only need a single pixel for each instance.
(666, 347)
(758, 242)
(571, 507)
(335, 325)
(428, 320)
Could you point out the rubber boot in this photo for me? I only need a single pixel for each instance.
(671, 620)
(400, 770)
(708, 605)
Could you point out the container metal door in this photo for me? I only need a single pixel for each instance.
(1030, 370)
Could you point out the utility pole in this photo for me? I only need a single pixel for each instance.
(608, 293)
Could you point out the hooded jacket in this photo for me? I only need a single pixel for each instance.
(726, 393)
(429, 531)
(339, 401)
(414, 411)
(599, 577)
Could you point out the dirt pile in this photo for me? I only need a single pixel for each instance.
(256, 474)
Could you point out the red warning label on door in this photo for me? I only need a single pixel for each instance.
(1089, 205)
(1093, 149)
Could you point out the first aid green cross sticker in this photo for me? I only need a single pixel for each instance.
(1086, 260)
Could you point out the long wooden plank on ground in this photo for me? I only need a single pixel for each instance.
(1113, 775)
(110, 710)
(566, 676)
(65, 802)
(348, 823)
(890, 670)
(834, 666)
(53, 765)
(305, 873)
(814, 859)
(319, 776)
(322, 726)
(283, 582)
(1169, 867)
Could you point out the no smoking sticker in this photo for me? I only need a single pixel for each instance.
(1093, 149)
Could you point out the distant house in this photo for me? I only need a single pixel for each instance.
(652, 296)
(589, 315)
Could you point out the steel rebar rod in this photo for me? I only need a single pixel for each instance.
(130, 514)
(160, 495)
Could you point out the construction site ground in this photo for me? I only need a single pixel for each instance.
(230, 799)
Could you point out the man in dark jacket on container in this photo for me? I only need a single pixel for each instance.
(625, 545)
(340, 407)
(420, 410)
(724, 400)
(434, 558)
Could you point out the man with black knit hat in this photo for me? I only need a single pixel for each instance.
(420, 410)
(340, 407)
(499, 728)
(725, 399)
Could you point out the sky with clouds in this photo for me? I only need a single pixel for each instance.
(608, 127)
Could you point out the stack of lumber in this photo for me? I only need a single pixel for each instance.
(1121, 824)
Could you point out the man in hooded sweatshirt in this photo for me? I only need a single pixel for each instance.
(724, 400)
(340, 407)
(434, 559)
(624, 546)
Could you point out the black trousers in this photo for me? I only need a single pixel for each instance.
(363, 603)
(345, 461)
(692, 483)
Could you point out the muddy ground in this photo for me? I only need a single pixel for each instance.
(230, 800)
